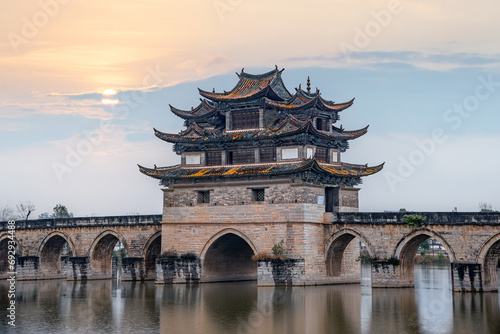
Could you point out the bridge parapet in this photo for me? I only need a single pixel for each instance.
(396, 218)
(105, 221)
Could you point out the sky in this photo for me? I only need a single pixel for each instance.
(425, 76)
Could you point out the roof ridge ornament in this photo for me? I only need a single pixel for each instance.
(308, 85)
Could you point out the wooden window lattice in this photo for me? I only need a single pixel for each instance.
(242, 157)
(214, 158)
(245, 119)
(321, 155)
(268, 155)
(321, 124)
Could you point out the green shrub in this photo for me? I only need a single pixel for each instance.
(414, 220)
(441, 258)
(278, 248)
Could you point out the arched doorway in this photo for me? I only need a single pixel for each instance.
(228, 258)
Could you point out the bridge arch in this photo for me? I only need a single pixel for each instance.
(151, 252)
(4, 251)
(54, 238)
(336, 246)
(101, 252)
(4, 238)
(488, 257)
(227, 256)
(407, 248)
(50, 250)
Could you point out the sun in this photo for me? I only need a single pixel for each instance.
(109, 92)
(108, 97)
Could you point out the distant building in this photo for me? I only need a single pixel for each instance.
(260, 143)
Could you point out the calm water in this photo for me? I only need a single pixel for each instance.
(111, 307)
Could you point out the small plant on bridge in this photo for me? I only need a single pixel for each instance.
(414, 220)
(189, 256)
(393, 260)
(364, 257)
(278, 249)
(170, 254)
(263, 257)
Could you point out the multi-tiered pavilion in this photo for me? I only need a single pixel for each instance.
(254, 157)
(259, 131)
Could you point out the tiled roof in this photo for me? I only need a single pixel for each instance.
(251, 86)
(287, 127)
(303, 100)
(205, 108)
(233, 171)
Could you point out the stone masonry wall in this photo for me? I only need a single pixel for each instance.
(241, 194)
(178, 270)
(281, 272)
(241, 214)
(300, 241)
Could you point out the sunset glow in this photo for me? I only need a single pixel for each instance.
(109, 92)
(110, 101)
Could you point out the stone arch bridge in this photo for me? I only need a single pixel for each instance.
(320, 248)
(90, 243)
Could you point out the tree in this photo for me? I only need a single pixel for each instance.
(6, 213)
(485, 207)
(44, 215)
(60, 211)
(24, 210)
(425, 245)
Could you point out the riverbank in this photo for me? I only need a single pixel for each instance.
(432, 259)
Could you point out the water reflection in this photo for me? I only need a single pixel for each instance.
(434, 299)
(112, 307)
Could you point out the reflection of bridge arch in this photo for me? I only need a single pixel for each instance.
(151, 252)
(50, 249)
(337, 244)
(488, 257)
(101, 251)
(227, 256)
(407, 248)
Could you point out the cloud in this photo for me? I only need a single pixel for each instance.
(87, 109)
(402, 60)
